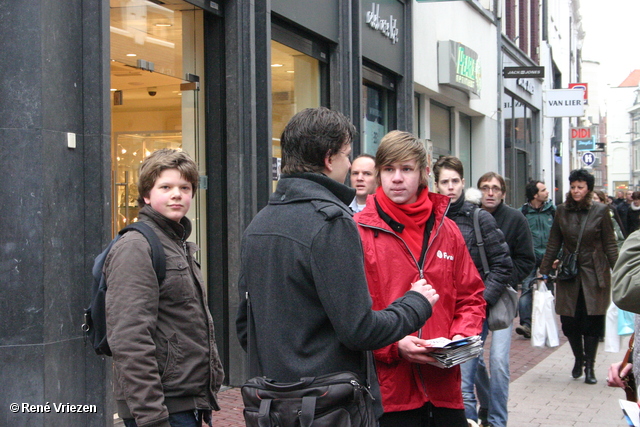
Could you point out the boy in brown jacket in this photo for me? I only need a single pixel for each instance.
(166, 365)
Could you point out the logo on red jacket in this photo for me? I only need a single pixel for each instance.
(444, 255)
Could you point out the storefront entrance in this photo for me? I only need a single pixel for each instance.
(156, 76)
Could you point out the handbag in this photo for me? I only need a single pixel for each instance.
(544, 330)
(502, 313)
(629, 380)
(568, 268)
(333, 400)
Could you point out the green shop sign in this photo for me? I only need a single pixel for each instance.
(458, 67)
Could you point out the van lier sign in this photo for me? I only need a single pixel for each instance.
(564, 103)
(388, 27)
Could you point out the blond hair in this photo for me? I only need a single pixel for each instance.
(399, 146)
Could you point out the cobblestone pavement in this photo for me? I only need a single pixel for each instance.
(542, 392)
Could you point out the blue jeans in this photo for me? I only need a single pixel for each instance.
(492, 395)
(181, 419)
(526, 299)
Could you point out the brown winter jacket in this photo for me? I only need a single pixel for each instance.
(597, 255)
(162, 338)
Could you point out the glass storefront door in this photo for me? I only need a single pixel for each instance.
(157, 60)
(295, 85)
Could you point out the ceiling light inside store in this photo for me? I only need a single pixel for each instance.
(277, 65)
(290, 71)
(164, 25)
(131, 54)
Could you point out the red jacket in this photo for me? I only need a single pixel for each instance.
(448, 267)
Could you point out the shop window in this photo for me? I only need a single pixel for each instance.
(440, 122)
(378, 105)
(520, 151)
(295, 85)
(464, 153)
(298, 76)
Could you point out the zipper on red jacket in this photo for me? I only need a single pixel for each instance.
(421, 273)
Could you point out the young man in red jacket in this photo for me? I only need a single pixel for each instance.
(406, 237)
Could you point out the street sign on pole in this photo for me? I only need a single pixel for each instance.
(588, 158)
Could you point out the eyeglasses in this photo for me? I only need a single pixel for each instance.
(494, 189)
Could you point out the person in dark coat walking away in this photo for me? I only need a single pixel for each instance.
(582, 302)
(633, 213)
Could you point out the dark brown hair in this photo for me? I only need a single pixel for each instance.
(157, 162)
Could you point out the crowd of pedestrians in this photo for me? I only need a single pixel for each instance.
(362, 278)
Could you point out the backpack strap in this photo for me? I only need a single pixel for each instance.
(480, 241)
(157, 252)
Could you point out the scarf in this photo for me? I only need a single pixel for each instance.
(454, 207)
(413, 216)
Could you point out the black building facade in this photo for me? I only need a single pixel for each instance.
(90, 87)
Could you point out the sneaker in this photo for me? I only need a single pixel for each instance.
(524, 330)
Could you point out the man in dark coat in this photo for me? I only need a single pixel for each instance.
(302, 266)
(493, 393)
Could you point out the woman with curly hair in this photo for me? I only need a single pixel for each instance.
(582, 302)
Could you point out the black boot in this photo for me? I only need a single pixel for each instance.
(576, 346)
(590, 350)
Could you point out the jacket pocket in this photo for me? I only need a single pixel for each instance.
(178, 284)
(169, 366)
(602, 270)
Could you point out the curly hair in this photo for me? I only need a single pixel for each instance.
(582, 175)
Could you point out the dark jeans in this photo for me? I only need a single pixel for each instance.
(181, 419)
(427, 416)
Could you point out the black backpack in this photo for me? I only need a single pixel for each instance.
(95, 321)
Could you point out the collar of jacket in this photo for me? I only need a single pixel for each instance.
(177, 230)
(545, 206)
(582, 205)
(288, 191)
(457, 207)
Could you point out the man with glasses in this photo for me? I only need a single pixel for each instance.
(493, 391)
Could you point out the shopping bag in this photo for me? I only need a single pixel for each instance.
(625, 322)
(544, 330)
(611, 337)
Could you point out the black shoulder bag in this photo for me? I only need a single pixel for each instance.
(333, 400)
(502, 313)
(568, 268)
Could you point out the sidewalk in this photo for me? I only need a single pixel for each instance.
(547, 395)
(542, 392)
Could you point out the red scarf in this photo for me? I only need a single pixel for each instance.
(413, 216)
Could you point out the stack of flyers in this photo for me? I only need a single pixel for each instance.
(631, 412)
(451, 353)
